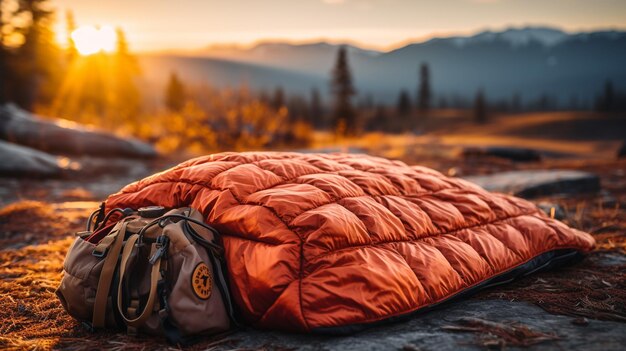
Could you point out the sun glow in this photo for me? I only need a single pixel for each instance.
(90, 40)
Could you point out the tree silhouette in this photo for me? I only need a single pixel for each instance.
(424, 94)
(403, 106)
(32, 62)
(264, 97)
(278, 100)
(316, 112)
(344, 116)
(480, 107)
(4, 57)
(127, 98)
(70, 26)
(606, 102)
(175, 93)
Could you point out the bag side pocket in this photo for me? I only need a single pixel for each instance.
(81, 271)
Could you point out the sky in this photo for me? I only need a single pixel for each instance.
(156, 25)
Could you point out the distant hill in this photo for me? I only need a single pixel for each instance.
(530, 61)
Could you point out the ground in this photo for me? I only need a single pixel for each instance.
(579, 306)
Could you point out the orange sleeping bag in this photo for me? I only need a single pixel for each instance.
(335, 242)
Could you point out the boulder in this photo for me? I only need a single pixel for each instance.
(26, 162)
(66, 137)
(534, 183)
(511, 153)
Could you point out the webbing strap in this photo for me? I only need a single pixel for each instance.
(154, 278)
(108, 269)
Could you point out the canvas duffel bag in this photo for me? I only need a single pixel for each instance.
(148, 271)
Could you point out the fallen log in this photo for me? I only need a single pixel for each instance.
(66, 138)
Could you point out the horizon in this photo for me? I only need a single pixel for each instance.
(365, 46)
(368, 24)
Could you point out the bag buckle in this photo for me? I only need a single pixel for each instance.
(99, 254)
(162, 242)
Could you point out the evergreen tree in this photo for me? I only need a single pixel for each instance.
(403, 111)
(4, 55)
(344, 116)
(316, 112)
(264, 97)
(480, 107)
(424, 94)
(298, 108)
(607, 100)
(70, 26)
(127, 98)
(404, 104)
(278, 100)
(35, 58)
(175, 93)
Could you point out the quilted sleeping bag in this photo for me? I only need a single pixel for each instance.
(336, 242)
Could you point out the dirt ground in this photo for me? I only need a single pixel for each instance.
(36, 230)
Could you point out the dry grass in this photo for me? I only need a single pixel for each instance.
(31, 316)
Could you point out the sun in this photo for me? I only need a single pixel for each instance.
(90, 40)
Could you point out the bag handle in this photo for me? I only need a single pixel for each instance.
(154, 278)
(108, 269)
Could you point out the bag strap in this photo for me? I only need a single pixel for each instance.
(114, 242)
(155, 274)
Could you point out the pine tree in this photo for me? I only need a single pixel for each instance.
(4, 56)
(278, 100)
(316, 112)
(403, 113)
(403, 106)
(175, 93)
(424, 94)
(70, 26)
(607, 100)
(127, 100)
(480, 107)
(35, 58)
(344, 116)
(264, 97)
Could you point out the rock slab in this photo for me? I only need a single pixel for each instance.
(66, 137)
(431, 331)
(511, 153)
(534, 183)
(19, 161)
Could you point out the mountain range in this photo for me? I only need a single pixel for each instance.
(529, 62)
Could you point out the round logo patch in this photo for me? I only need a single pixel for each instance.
(201, 281)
